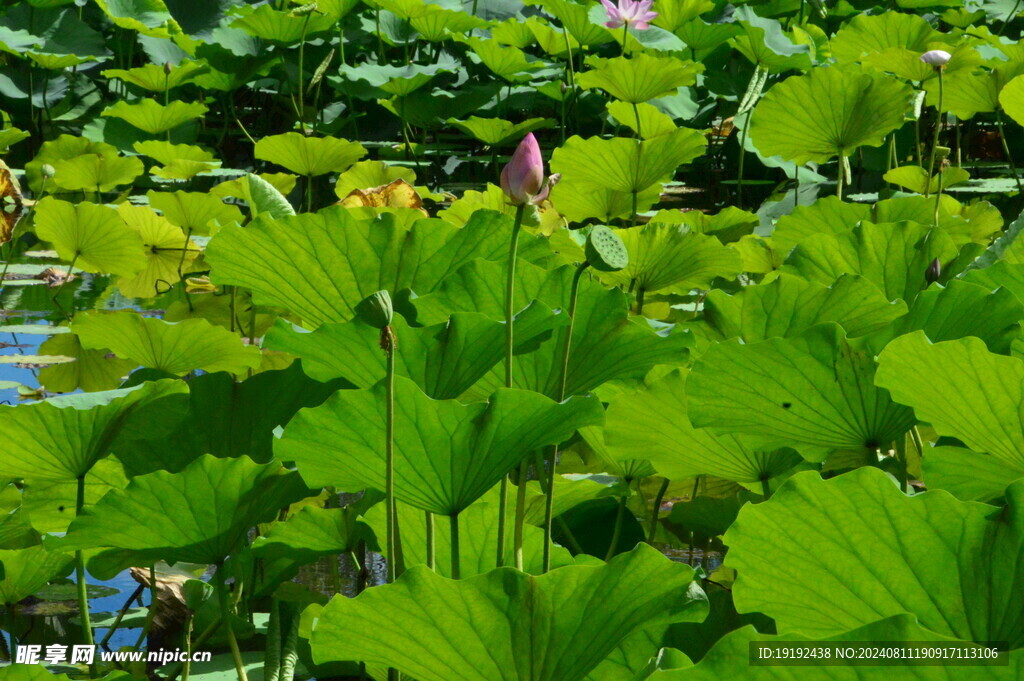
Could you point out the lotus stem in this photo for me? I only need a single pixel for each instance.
(430, 540)
(625, 39)
(272, 656)
(840, 175)
(766, 489)
(1006, 149)
(225, 617)
(12, 623)
(617, 532)
(151, 612)
(187, 664)
(300, 104)
(454, 520)
(653, 529)
(83, 587)
(56, 295)
(517, 537)
(739, 165)
(935, 140)
(389, 455)
(289, 647)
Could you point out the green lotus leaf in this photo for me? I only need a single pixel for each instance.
(906, 63)
(552, 41)
(447, 454)
(509, 63)
(92, 236)
(311, 534)
(787, 306)
(282, 28)
(967, 475)
(25, 571)
(967, 92)
(581, 200)
(606, 343)
(828, 215)
(435, 24)
(766, 44)
(828, 112)
(62, 148)
(369, 174)
(92, 172)
(892, 256)
(320, 266)
(149, 116)
(165, 257)
(652, 423)
(167, 153)
(309, 156)
(967, 391)
(915, 178)
(154, 78)
(61, 438)
(703, 38)
(445, 359)
(950, 563)
(264, 197)
(646, 120)
(10, 136)
(865, 34)
(195, 212)
(674, 14)
(671, 259)
(640, 78)
(148, 17)
(499, 132)
(1011, 98)
(204, 512)
(574, 17)
(50, 505)
(730, 655)
(478, 537)
(397, 80)
(92, 370)
(545, 628)
(177, 348)
(620, 165)
(813, 392)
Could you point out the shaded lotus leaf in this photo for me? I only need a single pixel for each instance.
(309, 156)
(92, 236)
(155, 78)
(766, 45)
(813, 392)
(447, 454)
(264, 197)
(167, 250)
(174, 347)
(149, 116)
(445, 359)
(25, 571)
(204, 512)
(195, 212)
(950, 563)
(61, 438)
(652, 423)
(640, 78)
(96, 173)
(320, 266)
(969, 476)
(892, 256)
(828, 112)
(148, 17)
(545, 628)
(92, 370)
(282, 28)
(788, 306)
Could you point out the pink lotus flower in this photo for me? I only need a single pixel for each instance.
(632, 13)
(522, 179)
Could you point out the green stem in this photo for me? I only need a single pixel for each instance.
(1006, 150)
(739, 168)
(300, 106)
(272, 655)
(625, 38)
(766, 489)
(840, 175)
(517, 537)
(653, 528)
(290, 646)
(454, 520)
(502, 512)
(12, 624)
(617, 532)
(1009, 17)
(430, 540)
(935, 138)
(225, 617)
(389, 454)
(83, 587)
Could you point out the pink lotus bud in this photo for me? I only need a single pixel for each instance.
(936, 58)
(523, 177)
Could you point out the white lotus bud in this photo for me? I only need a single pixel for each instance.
(936, 58)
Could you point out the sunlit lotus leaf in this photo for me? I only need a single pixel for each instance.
(545, 628)
(25, 571)
(148, 17)
(906, 63)
(1012, 99)
(91, 235)
(703, 37)
(619, 164)
(203, 515)
(892, 256)
(967, 92)
(282, 28)
(828, 215)
(149, 116)
(435, 24)
(550, 39)
(548, 220)
(91, 371)
(168, 253)
(510, 63)
(62, 148)
(788, 306)
(640, 78)
(321, 266)
(50, 505)
(498, 132)
(166, 152)
(93, 172)
(61, 438)
(647, 120)
(866, 34)
(447, 454)
(309, 156)
(574, 17)
(813, 392)
(444, 359)
(154, 78)
(949, 563)
(311, 534)
(968, 475)
(195, 212)
(652, 423)
(828, 112)
(915, 178)
(766, 45)
(674, 14)
(177, 348)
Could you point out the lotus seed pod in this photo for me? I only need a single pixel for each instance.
(376, 309)
(48, 171)
(936, 58)
(934, 271)
(605, 250)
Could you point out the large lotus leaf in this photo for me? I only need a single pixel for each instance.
(967, 92)
(545, 628)
(436, 24)
(167, 252)
(606, 342)
(788, 306)
(282, 28)
(195, 212)
(497, 131)
(149, 116)
(963, 309)
(866, 34)
(580, 200)
(367, 174)
(50, 505)
(652, 423)
(444, 359)
(625, 165)
(828, 112)
(962, 389)
(509, 63)
(199, 515)
(446, 454)
(828, 215)
(320, 266)
(646, 120)
(575, 20)
(766, 44)
(166, 152)
(640, 78)
(148, 17)
(672, 259)
(174, 347)
(813, 392)
(309, 156)
(906, 63)
(967, 475)
(229, 419)
(810, 558)
(157, 78)
(96, 173)
(478, 537)
(892, 256)
(311, 534)
(731, 657)
(25, 571)
(61, 438)
(92, 235)
(1012, 99)
(92, 370)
